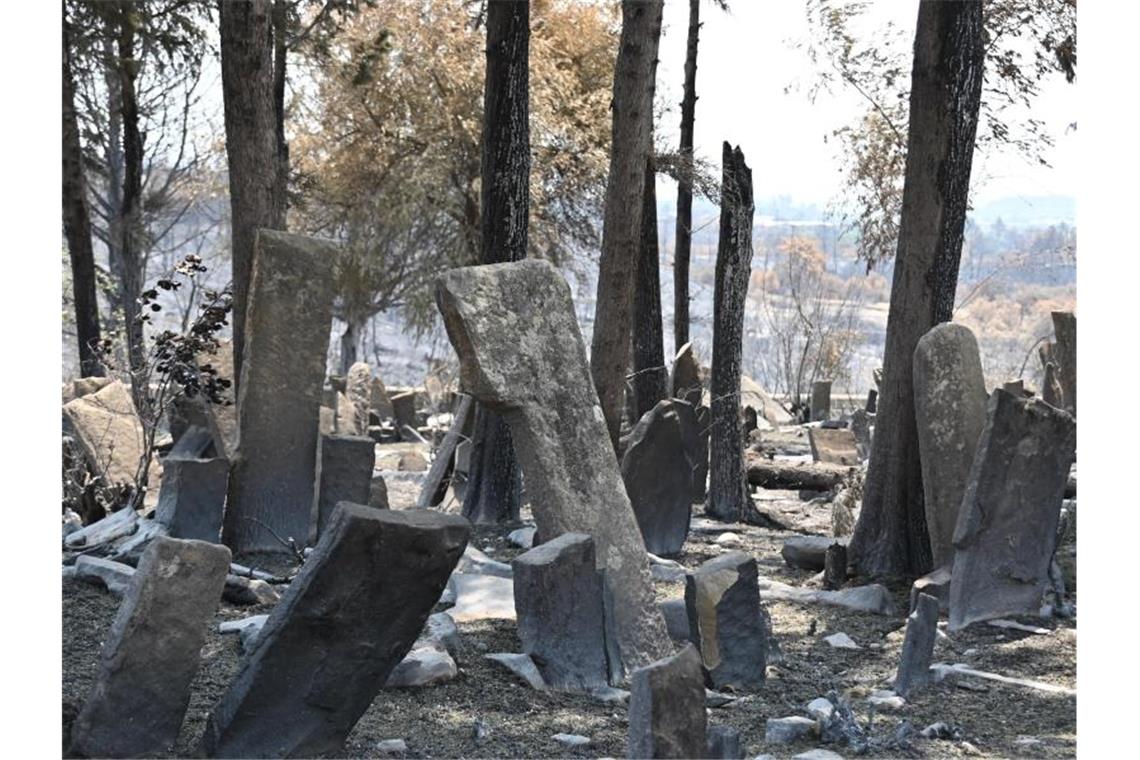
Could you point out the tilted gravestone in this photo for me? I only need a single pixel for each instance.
(152, 652)
(658, 475)
(193, 497)
(950, 409)
(287, 325)
(918, 646)
(722, 598)
(521, 354)
(344, 473)
(558, 603)
(1007, 527)
(667, 708)
(820, 400)
(349, 617)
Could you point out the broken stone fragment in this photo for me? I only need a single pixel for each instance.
(788, 730)
(522, 666)
(722, 598)
(667, 708)
(114, 576)
(918, 647)
(426, 665)
(249, 591)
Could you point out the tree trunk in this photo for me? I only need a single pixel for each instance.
(890, 538)
(257, 197)
(621, 229)
(130, 214)
(494, 487)
(350, 343)
(650, 377)
(728, 497)
(114, 159)
(77, 227)
(280, 53)
(685, 185)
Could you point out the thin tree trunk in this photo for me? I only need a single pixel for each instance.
(890, 538)
(77, 227)
(280, 54)
(728, 497)
(683, 247)
(257, 197)
(621, 229)
(114, 158)
(130, 216)
(650, 378)
(494, 487)
(349, 344)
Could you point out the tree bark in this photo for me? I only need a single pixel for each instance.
(280, 54)
(130, 214)
(794, 476)
(650, 377)
(621, 229)
(494, 487)
(77, 227)
(257, 196)
(890, 538)
(728, 497)
(349, 344)
(683, 246)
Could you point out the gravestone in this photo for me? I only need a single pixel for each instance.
(558, 604)
(753, 394)
(872, 401)
(109, 433)
(404, 410)
(833, 446)
(380, 404)
(1007, 527)
(345, 421)
(344, 473)
(358, 390)
(349, 617)
(667, 708)
(193, 497)
(151, 654)
(685, 379)
(521, 354)
(722, 598)
(861, 428)
(1065, 355)
(1051, 391)
(287, 324)
(918, 647)
(658, 475)
(950, 409)
(820, 400)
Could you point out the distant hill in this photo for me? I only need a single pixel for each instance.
(1028, 210)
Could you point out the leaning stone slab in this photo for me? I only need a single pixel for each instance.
(791, 729)
(1007, 528)
(657, 469)
(722, 598)
(110, 435)
(287, 323)
(475, 562)
(833, 446)
(685, 379)
(918, 647)
(753, 394)
(950, 408)
(193, 497)
(521, 353)
(151, 654)
(558, 600)
(349, 617)
(942, 671)
(115, 576)
(344, 473)
(667, 708)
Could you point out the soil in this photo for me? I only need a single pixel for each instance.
(991, 719)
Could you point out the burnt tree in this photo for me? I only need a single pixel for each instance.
(890, 538)
(685, 185)
(650, 377)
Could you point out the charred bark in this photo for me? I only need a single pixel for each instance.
(683, 246)
(131, 243)
(650, 377)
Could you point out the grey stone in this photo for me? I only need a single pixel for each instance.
(1065, 355)
(115, 576)
(476, 562)
(724, 743)
(1007, 529)
(818, 754)
(108, 431)
(753, 395)
(151, 654)
(115, 525)
(522, 666)
(558, 600)
(685, 379)
(788, 730)
(809, 552)
(884, 699)
(609, 695)
(918, 647)
(820, 400)
(722, 598)
(522, 537)
(130, 548)
(378, 492)
(196, 442)
(441, 628)
(482, 597)
(657, 469)
(841, 640)
(249, 591)
(667, 708)
(248, 629)
(404, 411)
(521, 353)
(820, 709)
(344, 473)
(873, 597)
(392, 746)
(348, 618)
(833, 446)
(426, 665)
(950, 409)
(572, 741)
(936, 584)
(676, 619)
(193, 497)
(287, 324)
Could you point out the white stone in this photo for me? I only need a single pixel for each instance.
(886, 700)
(482, 597)
(730, 538)
(820, 709)
(424, 666)
(522, 538)
(818, 754)
(572, 741)
(522, 666)
(790, 729)
(841, 641)
(475, 562)
(392, 747)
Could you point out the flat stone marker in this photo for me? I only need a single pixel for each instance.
(344, 473)
(1007, 528)
(918, 646)
(349, 617)
(658, 474)
(151, 654)
(521, 354)
(287, 324)
(558, 603)
(193, 497)
(950, 408)
(722, 598)
(667, 708)
(809, 552)
(820, 400)
(834, 446)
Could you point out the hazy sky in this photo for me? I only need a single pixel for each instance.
(746, 59)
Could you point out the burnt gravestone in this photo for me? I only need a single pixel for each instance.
(344, 473)
(918, 646)
(667, 708)
(722, 598)
(193, 497)
(820, 400)
(657, 469)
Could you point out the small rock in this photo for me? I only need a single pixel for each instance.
(424, 666)
(480, 731)
(970, 652)
(442, 629)
(522, 666)
(818, 754)
(939, 730)
(820, 709)
(790, 729)
(724, 743)
(609, 695)
(667, 574)
(475, 562)
(71, 522)
(1015, 626)
(392, 747)
(887, 700)
(841, 641)
(522, 538)
(114, 576)
(728, 539)
(717, 698)
(249, 591)
(572, 741)
(969, 749)
(247, 629)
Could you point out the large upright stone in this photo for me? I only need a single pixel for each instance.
(1065, 355)
(404, 409)
(521, 354)
(722, 598)
(222, 418)
(349, 617)
(287, 325)
(820, 400)
(110, 434)
(667, 708)
(685, 379)
(950, 409)
(358, 389)
(558, 604)
(380, 403)
(658, 472)
(918, 646)
(344, 473)
(151, 654)
(193, 497)
(753, 394)
(1007, 527)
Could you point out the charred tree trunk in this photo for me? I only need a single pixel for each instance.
(77, 227)
(728, 497)
(257, 197)
(890, 538)
(130, 214)
(114, 159)
(280, 53)
(621, 229)
(350, 343)
(650, 377)
(685, 185)
(494, 487)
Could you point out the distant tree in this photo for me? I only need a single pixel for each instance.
(650, 377)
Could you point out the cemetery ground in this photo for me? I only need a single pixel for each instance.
(486, 711)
